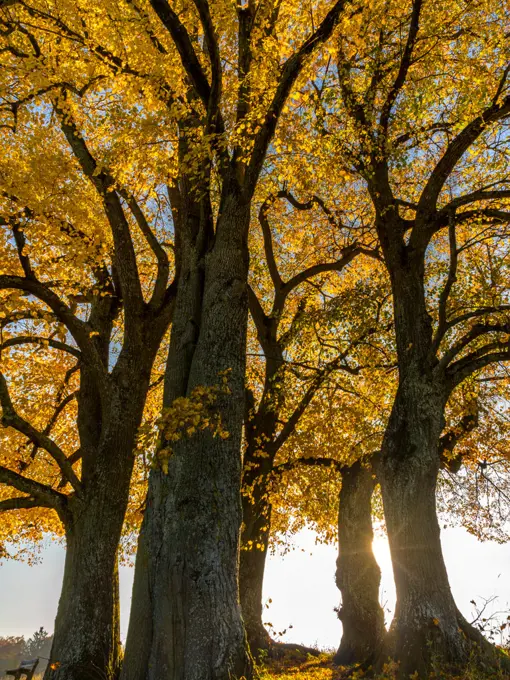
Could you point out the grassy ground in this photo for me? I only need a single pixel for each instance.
(296, 667)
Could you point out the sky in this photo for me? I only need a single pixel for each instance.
(300, 584)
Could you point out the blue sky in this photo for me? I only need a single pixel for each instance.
(300, 584)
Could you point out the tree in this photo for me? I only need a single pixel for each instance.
(296, 356)
(185, 616)
(86, 277)
(430, 150)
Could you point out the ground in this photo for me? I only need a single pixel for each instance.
(296, 667)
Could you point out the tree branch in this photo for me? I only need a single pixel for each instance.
(475, 196)
(318, 462)
(405, 65)
(315, 385)
(10, 418)
(54, 417)
(103, 182)
(79, 329)
(445, 293)
(260, 318)
(477, 313)
(47, 496)
(450, 439)
(155, 246)
(290, 72)
(214, 122)
(268, 243)
(37, 340)
(182, 41)
(348, 255)
(454, 152)
(22, 503)
(477, 331)
(475, 361)
(20, 240)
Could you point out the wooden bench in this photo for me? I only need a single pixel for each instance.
(27, 668)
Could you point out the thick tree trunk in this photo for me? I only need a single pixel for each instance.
(358, 575)
(254, 546)
(87, 636)
(86, 642)
(427, 630)
(186, 587)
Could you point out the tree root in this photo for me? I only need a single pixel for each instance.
(431, 650)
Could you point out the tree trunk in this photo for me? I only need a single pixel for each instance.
(358, 575)
(427, 631)
(254, 546)
(86, 642)
(186, 589)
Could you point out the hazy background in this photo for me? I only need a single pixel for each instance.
(301, 585)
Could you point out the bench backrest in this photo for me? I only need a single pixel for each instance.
(28, 664)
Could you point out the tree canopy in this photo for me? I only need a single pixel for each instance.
(257, 251)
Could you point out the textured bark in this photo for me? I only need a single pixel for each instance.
(87, 633)
(254, 546)
(358, 575)
(186, 583)
(191, 245)
(87, 638)
(427, 631)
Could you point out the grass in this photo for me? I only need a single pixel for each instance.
(296, 667)
(293, 666)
